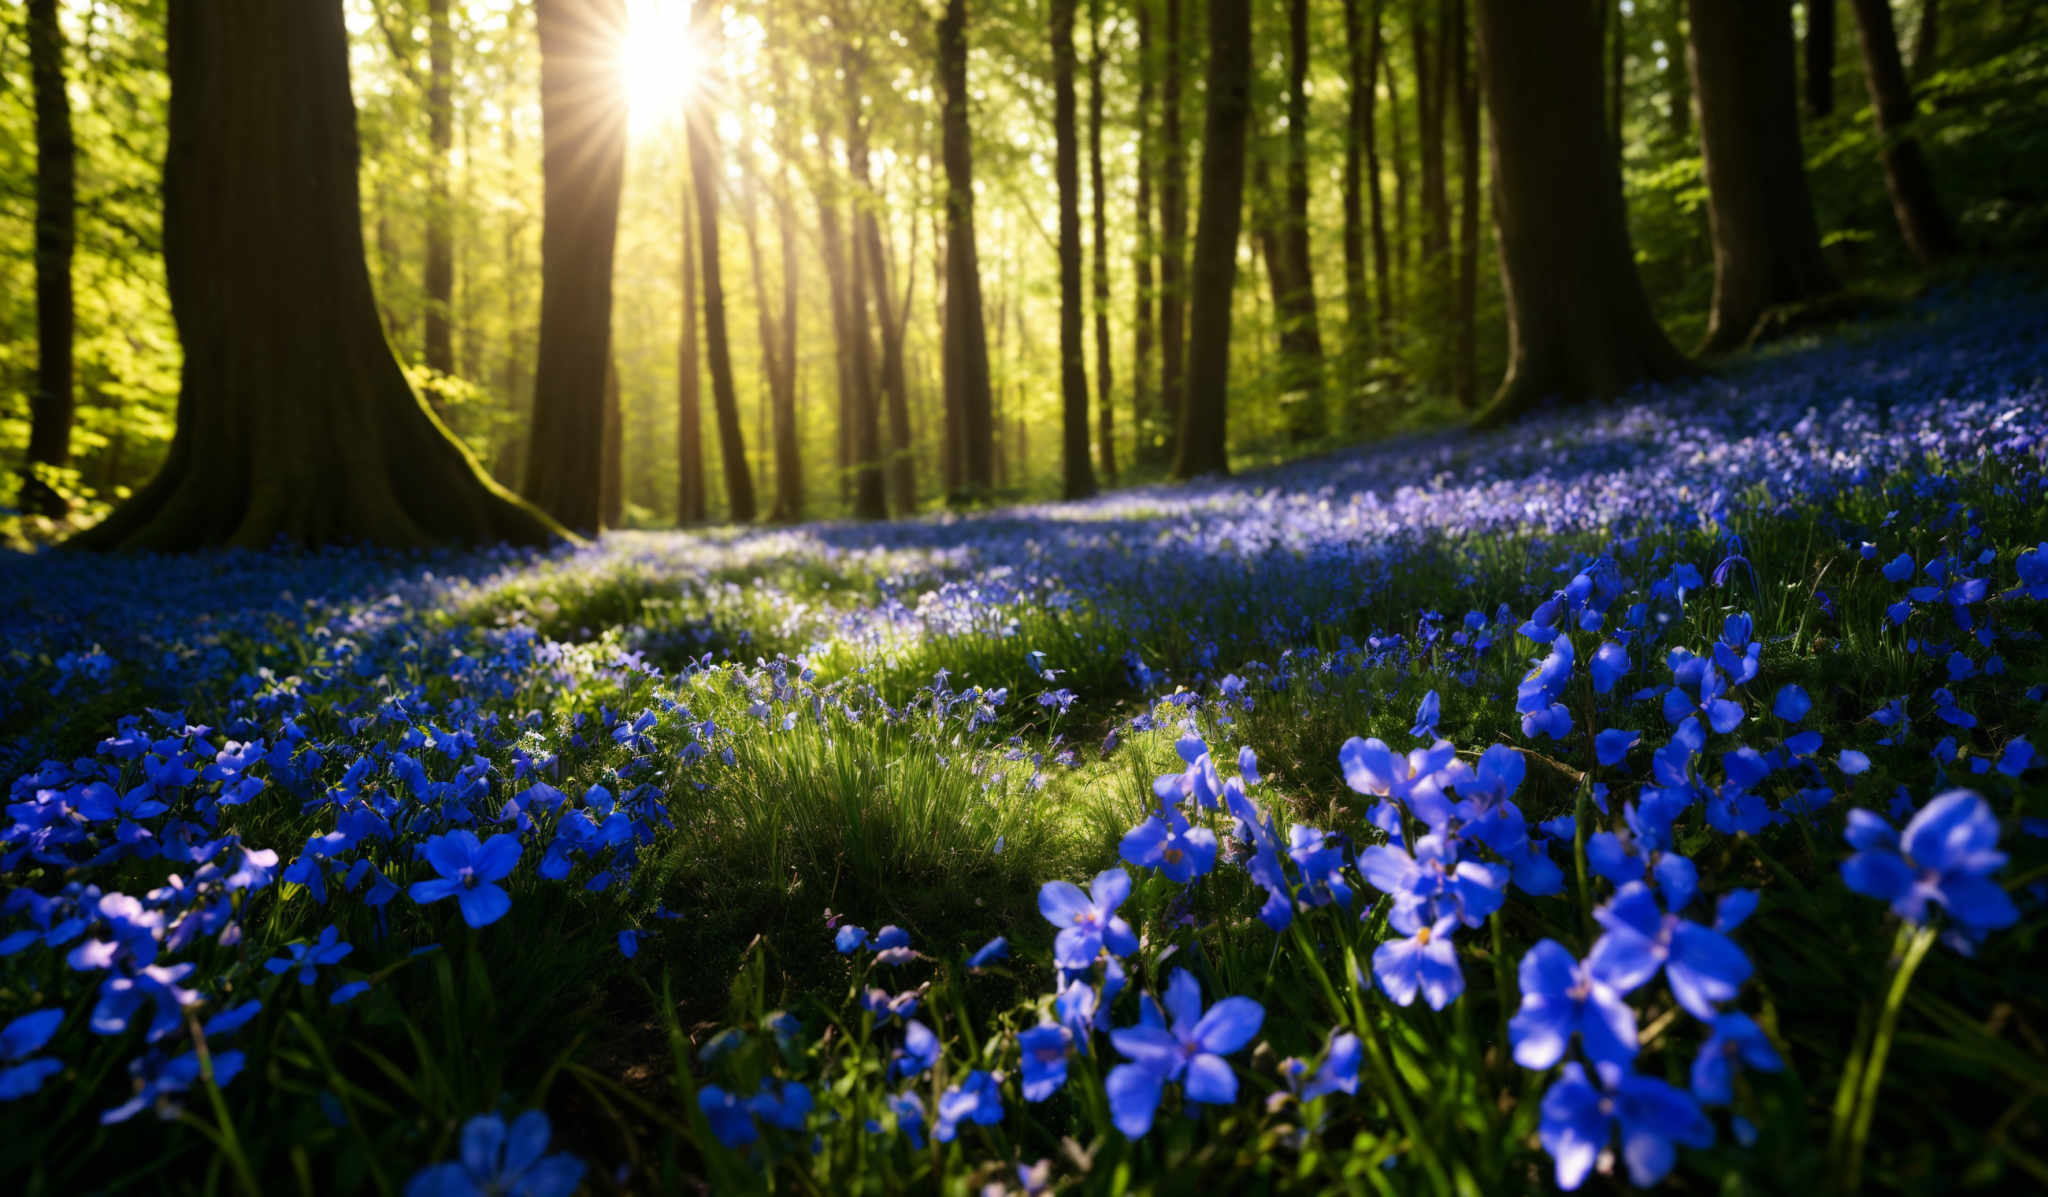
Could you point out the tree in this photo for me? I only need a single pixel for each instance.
(870, 501)
(1766, 242)
(1923, 222)
(583, 156)
(1203, 439)
(440, 267)
(1927, 41)
(965, 353)
(1820, 57)
(1465, 86)
(1104, 382)
(294, 420)
(1301, 341)
(1173, 230)
(1077, 471)
(789, 472)
(51, 406)
(1579, 324)
(690, 497)
(1361, 187)
(700, 130)
(612, 492)
(1145, 319)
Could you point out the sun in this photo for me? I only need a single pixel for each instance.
(657, 62)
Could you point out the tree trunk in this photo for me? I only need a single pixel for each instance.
(52, 406)
(1145, 320)
(1401, 239)
(1617, 78)
(765, 324)
(440, 272)
(1429, 125)
(1820, 57)
(1078, 473)
(1579, 324)
(1204, 433)
(1926, 42)
(1360, 71)
(832, 248)
(1915, 204)
(295, 422)
(583, 133)
(1766, 243)
(1173, 232)
(613, 496)
(1677, 79)
(1301, 340)
(965, 351)
(789, 468)
(701, 129)
(691, 506)
(1104, 377)
(1465, 367)
(870, 499)
(900, 473)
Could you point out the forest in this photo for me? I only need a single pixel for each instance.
(1023, 596)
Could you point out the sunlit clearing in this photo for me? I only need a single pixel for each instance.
(657, 62)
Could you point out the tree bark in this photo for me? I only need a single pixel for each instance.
(1465, 367)
(900, 472)
(1077, 471)
(870, 498)
(1579, 324)
(1204, 436)
(1361, 64)
(1820, 57)
(691, 505)
(613, 493)
(295, 422)
(1173, 232)
(440, 268)
(789, 467)
(965, 352)
(1399, 274)
(52, 406)
(1923, 222)
(701, 132)
(1301, 339)
(1145, 319)
(583, 134)
(1766, 242)
(1104, 375)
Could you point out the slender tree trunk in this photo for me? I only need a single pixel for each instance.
(691, 504)
(701, 132)
(1301, 340)
(1383, 275)
(1820, 57)
(1078, 472)
(1429, 123)
(1401, 238)
(1579, 324)
(1359, 94)
(832, 248)
(1465, 85)
(1766, 242)
(294, 420)
(1173, 230)
(1915, 203)
(1204, 440)
(765, 323)
(614, 488)
(1145, 320)
(51, 407)
(440, 271)
(870, 499)
(1927, 42)
(965, 350)
(789, 469)
(900, 473)
(1104, 375)
(583, 155)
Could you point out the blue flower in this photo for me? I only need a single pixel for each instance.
(892, 946)
(500, 1159)
(1579, 1122)
(990, 952)
(849, 939)
(22, 1072)
(977, 1099)
(1088, 922)
(731, 1121)
(1426, 961)
(920, 1051)
(307, 957)
(1947, 855)
(1166, 842)
(1189, 1049)
(1702, 965)
(1044, 1051)
(1338, 1073)
(1611, 747)
(1610, 662)
(1735, 1039)
(1561, 996)
(1792, 704)
(1426, 715)
(469, 872)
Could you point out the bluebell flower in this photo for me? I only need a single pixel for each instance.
(1189, 1049)
(325, 950)
(849, 939)
(892, 946)
(1610, 662)
(347, 993)
(1088, 922)
(22, 1072)
(1416, 780)
(1044, 1052)
(1611, 746)
(1735, 1039)
(1433, 882)
(977, 1099)
(469, 873)
(1702, 965)
(1562, 997)
(1792, 704)
(1579, 1122)
(1338, 1072)
(1167, 842)
(1426, 961)
(786, 1104)
(496, 1158)
(1248, 765)
(1947, 855)
(1426, 715)
(920, 1051)
(990, 952)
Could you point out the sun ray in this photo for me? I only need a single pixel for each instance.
(658, 67)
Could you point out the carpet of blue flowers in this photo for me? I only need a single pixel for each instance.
(1644, 794)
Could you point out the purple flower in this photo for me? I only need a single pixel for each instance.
(469, 873)
(1044, 1051)
(1166, 842)
(1088, 922)
(1189, 1049)
(1426, 961)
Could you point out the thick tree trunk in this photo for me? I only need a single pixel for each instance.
(583, 134)
(1579, 324)
(1766, 243)
(1077, 471)
(1820, 57)
(691, 505)
(1465, 84)
(965, 351)
(1145, 319)
(870, 498)
(1923, 222)
(701, 132)
(1173, 231)
(440, 271)
(613, 496)
(295, 422)
(1104, 376)
(1301, 339)
(1204, 436)
(52, 405)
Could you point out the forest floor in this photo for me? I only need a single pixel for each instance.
(1713, 619)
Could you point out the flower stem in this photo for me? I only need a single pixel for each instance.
(1906, 965)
